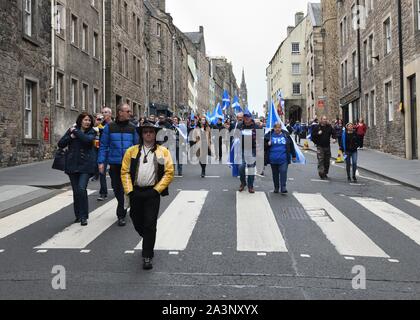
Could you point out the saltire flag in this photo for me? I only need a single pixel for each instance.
(226, 100)
(272, 119)
(183, 131)
(218, 114)
(281, 102)
(236, 106)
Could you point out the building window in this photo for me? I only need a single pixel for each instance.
(367, 106)
(95, 101)
(346, 75)
(85, 90)
(126, 62)
(28, 18)
(295, 47)
(159, 57)
(134, 68)
(387, 36)
(126, 16)
(119, 12)
(159, 85)
(342, 33)
(85, 33)
(370, 51)
(297, 89)
(372, 104)
(60, 88)
(418, 14)
(118, 100)
(138, 35)
(138, 70)
(355, 63)
(30, 110)
(74, 86)
(389, 101)
(120, 58)
(60, 19)
(296, 68)
(73, 30)
(95, 45)
(159, 30)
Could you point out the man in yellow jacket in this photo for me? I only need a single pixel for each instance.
(146, 173)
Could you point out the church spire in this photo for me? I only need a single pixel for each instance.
(243, 83)
(243, 92)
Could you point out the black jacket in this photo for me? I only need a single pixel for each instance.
(352, 142)
(81, 155)
(323, 139)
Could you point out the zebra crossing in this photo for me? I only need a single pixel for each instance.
(257, 224)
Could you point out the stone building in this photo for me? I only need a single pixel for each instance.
(411, 61)
(160, 40)
(224, 78)
(316, 100)
(196, 48)
(25, 79)
(331, 64)
(78, 62)
(286, 72)
(372, 69)
(126, 55)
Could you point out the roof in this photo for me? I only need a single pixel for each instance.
(315, 13)
(195, 37)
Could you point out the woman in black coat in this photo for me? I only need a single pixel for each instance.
(80, 162)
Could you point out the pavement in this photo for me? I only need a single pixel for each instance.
(406, 172)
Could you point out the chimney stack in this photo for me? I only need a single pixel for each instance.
(289, 30)
(201, 29)
(299, 16)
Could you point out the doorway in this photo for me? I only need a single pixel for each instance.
(413, 112)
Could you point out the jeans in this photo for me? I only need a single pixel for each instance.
(145, 203)
(79, 183)
(102, 179)
(242, 173)
(351, 156)
(115, 174)
(280, 176)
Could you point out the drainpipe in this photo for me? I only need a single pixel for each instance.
(400, 42)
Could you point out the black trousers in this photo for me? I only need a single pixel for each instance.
(115, 174)
(145, 204)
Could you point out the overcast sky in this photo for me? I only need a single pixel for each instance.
(246, 32)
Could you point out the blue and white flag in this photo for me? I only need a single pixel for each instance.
(226, 100)
(218, 114)
(236, 106)
(182, 129)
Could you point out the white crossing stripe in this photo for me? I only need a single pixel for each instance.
(10, 192)
(414, 201)
(77, 236)
(257, 229)
(25, 218)
(347, 238)
(176, 224)
(394, 216)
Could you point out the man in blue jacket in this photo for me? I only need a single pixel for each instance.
(116, 138)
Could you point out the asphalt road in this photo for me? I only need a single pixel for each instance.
(323, 245)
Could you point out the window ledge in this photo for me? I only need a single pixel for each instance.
(74, 45)
(61, 36)
(59, 105)
(31, 39)
(31, 142)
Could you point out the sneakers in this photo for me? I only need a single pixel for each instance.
(83, 222)
(242, 187)
(121, 222)
(348, 179)
(102, 197)
(147, 264)
(77, 220)
(276, 191)
(354, 179)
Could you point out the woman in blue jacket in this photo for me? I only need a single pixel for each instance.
(279, 151)
(80, 162)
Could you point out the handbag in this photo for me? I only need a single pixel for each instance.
(60, 159)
